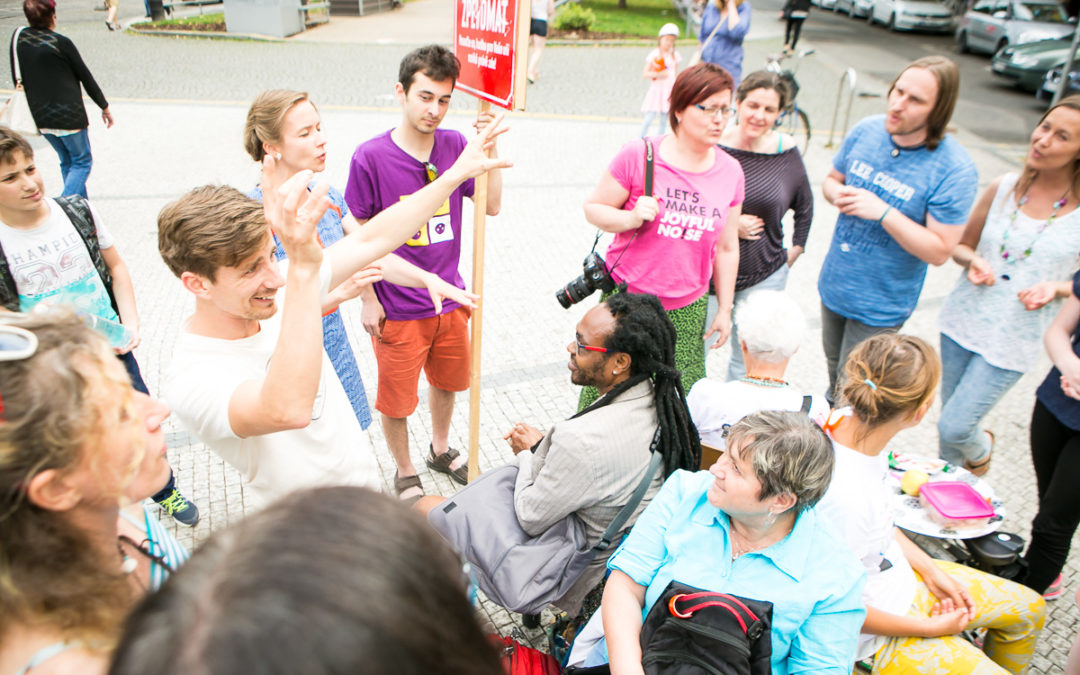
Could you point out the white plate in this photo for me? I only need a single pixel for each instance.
(908, 512)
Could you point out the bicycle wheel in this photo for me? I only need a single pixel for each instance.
(794, 121)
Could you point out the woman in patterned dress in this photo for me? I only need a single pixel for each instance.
(1020, 249)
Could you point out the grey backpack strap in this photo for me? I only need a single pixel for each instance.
(625, 512)
(806, 401)
(78, 212)
(9, 294)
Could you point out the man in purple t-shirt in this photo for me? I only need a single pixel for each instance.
(407, 334)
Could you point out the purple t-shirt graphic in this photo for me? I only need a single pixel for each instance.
(380, 175)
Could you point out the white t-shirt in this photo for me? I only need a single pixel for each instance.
(716, 405)
(332, 450)
(50, 262)
(857, 503)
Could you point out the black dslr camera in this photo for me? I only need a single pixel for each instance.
(594, 275)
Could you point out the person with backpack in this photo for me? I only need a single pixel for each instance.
(57, 251)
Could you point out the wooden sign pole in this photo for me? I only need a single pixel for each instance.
(476, 325)
(480, 190)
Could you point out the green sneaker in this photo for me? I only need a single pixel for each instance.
(178, 506)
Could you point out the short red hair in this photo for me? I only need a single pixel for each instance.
(694, 85)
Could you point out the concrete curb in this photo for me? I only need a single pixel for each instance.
(208, 35)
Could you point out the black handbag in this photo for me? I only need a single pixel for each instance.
(690, 632)
(694, 632)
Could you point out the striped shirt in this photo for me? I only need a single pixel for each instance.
(160, 544)
(775, 184)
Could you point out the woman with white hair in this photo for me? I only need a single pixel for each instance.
(771, 328)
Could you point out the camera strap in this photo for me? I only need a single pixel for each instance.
(648, 191)
(648, 167)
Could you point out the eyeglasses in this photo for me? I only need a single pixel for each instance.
(431, 172)
(715, 110)
(590, 348)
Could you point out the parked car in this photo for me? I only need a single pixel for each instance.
(825, 4)
(912, 15)
(992, 25)
(854, 8)
(1026, 65)
(1052, 82)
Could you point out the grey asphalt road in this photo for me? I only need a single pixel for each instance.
(988, 105)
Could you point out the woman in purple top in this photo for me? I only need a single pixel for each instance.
(776, 183)
(724, 25)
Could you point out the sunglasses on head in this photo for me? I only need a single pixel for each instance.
(15, 344)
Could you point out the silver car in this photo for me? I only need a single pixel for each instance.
(853, 8)
(992, 24)
(928, 15)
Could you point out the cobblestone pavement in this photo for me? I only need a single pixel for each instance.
(180, 105)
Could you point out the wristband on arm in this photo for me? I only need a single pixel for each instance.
(885, 213)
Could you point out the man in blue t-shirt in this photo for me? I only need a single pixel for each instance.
(904, 189)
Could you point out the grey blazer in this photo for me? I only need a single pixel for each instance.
(589, 466)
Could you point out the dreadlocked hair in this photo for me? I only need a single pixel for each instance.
(644, 331)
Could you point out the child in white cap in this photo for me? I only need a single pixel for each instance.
(660, 68)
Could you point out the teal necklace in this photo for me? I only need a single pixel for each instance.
(764, 381)
(1011, 256)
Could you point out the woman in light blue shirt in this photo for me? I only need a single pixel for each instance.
(746, 527)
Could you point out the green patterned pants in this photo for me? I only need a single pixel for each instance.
(689, 346)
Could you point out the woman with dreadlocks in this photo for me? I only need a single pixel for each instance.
(590, 464)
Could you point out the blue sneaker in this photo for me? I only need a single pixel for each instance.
(179, 507)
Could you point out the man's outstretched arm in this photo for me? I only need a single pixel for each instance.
(284, 398)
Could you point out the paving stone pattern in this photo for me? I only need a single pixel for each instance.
(180, 105)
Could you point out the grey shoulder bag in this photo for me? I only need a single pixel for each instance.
(516, 570)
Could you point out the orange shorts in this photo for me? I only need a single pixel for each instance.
(439, 345)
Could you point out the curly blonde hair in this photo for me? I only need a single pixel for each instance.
(52, 419)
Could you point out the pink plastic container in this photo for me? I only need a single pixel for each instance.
(955, 504)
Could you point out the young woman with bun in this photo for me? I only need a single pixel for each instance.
(916, 606)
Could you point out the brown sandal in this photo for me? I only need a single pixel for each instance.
(407, 488)
(982, 466)
(441, 463)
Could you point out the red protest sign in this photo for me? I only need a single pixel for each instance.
(490, 40)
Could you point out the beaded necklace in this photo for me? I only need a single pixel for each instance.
(764, 381)
(1010, 256)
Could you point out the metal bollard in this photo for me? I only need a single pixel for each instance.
(847, 78)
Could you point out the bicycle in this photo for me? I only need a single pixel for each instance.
(793, 120)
